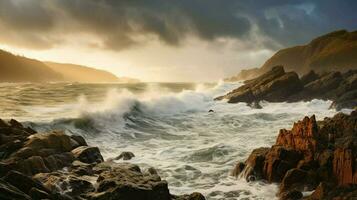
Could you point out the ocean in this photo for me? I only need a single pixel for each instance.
(166, 125)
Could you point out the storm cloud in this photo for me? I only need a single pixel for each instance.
(121, 24)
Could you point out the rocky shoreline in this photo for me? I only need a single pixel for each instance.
(318, 156)
(57, 166)
(277, 85)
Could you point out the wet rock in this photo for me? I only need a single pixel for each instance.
(123, 181)
(126, 155)
(87, 154)
(291, 195)
(23, 182)
(344, 167)
(60, 167)
(310, 153)
(294, 179)
(79, 139)
(302, 137)
(329, 191)
(193, 196)
(65, 183)
(255, 163)
(9, 192)
(309, 77)
(275, 85)
(255, 105)
(278, 86)
(38, 194)
(238, 169)
(278, 161)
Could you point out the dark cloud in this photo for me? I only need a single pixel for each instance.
(123, 23)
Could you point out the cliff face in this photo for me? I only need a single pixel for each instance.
(308, 156)
(336, 51)
(20, 69)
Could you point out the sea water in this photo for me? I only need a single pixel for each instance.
(166, 125)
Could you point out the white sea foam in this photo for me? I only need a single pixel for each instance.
(194, 150)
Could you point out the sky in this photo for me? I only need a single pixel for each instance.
(167, 40)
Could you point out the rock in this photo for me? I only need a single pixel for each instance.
(122, 181)
(302, 137)
(309, 77)
(278, 86)
(65, 183)
(238, 169)
(15, 124)
(126, 155)
(346, 100)
(38, 194)
(9, 192)
(255, 163)
(324, 84)
(23, 182)
(275, 85)
(294, 179)
(344, 167)
(310, 153)
(278, 161)
(87, 154)
(79, 139)
(328, 191)
(255, 105)
(55, 140)
(291, 195)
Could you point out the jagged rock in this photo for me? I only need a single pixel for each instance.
(274, 86)
(126, 155)
(38, 194)
(291, 195)
(238, 169)
(87, 154)
(23, 182)
(302, 137)
(329, 191)
(9, 192)
(79, 140)
(310, 153)
(278, 86)
(309, 77)
(123, 181)
(278, 161)
(60, 167)
(344, 161)
(255, 163)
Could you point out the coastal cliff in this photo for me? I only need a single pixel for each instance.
(336, 51)
(317, 156)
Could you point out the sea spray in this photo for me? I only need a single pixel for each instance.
(168, 127)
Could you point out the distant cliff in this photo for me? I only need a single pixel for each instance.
(15, 68)
(78, 73)
(20, 69)
(336, 51)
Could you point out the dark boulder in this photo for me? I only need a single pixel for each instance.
(126, 155)
(87, 154)
(9, 192)
(309, 77)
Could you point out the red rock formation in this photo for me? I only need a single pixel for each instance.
(308, 154)
(344, 166)
(302, 137)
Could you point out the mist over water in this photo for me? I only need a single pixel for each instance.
(166, 125)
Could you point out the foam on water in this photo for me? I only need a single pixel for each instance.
(194, 150)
